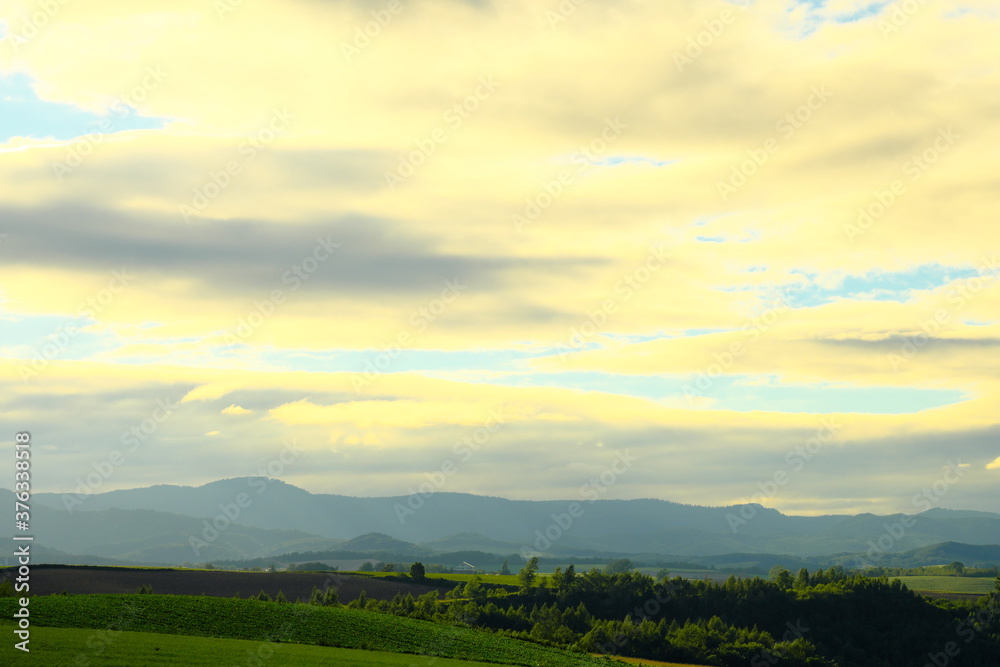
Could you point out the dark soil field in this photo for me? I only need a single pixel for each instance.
(49, 580)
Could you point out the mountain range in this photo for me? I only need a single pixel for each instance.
(260, 517)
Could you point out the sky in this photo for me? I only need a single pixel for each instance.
(497, 247)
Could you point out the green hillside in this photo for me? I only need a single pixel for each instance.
(233, 618)
(66, 646)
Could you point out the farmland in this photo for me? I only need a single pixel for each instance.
(943, 584)
(69, 646)
(49, 580)
(286, 623)
(498, 579)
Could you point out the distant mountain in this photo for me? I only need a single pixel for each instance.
(275, 504)
(421, 525)
(971, 555)
(153, 537)
(944, 513)
(374, 543)
(471, 542)
(41, 555)
(943, 553)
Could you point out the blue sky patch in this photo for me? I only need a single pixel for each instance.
(24, 115)
(616, 160)
(875, 286)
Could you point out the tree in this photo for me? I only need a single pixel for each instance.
(561, 581)
(474, 589)
(781, 576)
(619, 566)
(505, 569)
(387, 567)
(526, 577)
(958, 567)
(417, 571)
(367, 567)
(326, 597)
(802, 579)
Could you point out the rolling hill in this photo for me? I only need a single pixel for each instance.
(155, 524)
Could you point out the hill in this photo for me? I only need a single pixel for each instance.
(287, 623)
(155, 524)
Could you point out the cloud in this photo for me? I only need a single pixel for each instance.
(838, 176)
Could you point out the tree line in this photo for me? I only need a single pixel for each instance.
(821, 619)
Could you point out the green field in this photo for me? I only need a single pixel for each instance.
(981, 585)
(506, 579)
(71, 646)
(233, 618)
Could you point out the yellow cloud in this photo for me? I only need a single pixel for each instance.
(236, 410)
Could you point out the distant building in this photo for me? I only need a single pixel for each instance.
(465, 568)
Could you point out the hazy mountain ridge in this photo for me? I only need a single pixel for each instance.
(269, 516)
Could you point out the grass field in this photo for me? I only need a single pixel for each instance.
(300, 624)
(505, 579)
(77, 646)
(644, 662)
(981, 585)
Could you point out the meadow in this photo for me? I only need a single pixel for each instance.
(232, 618)
(946, 584)
(80, 646)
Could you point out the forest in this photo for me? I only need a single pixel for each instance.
(825, 618)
